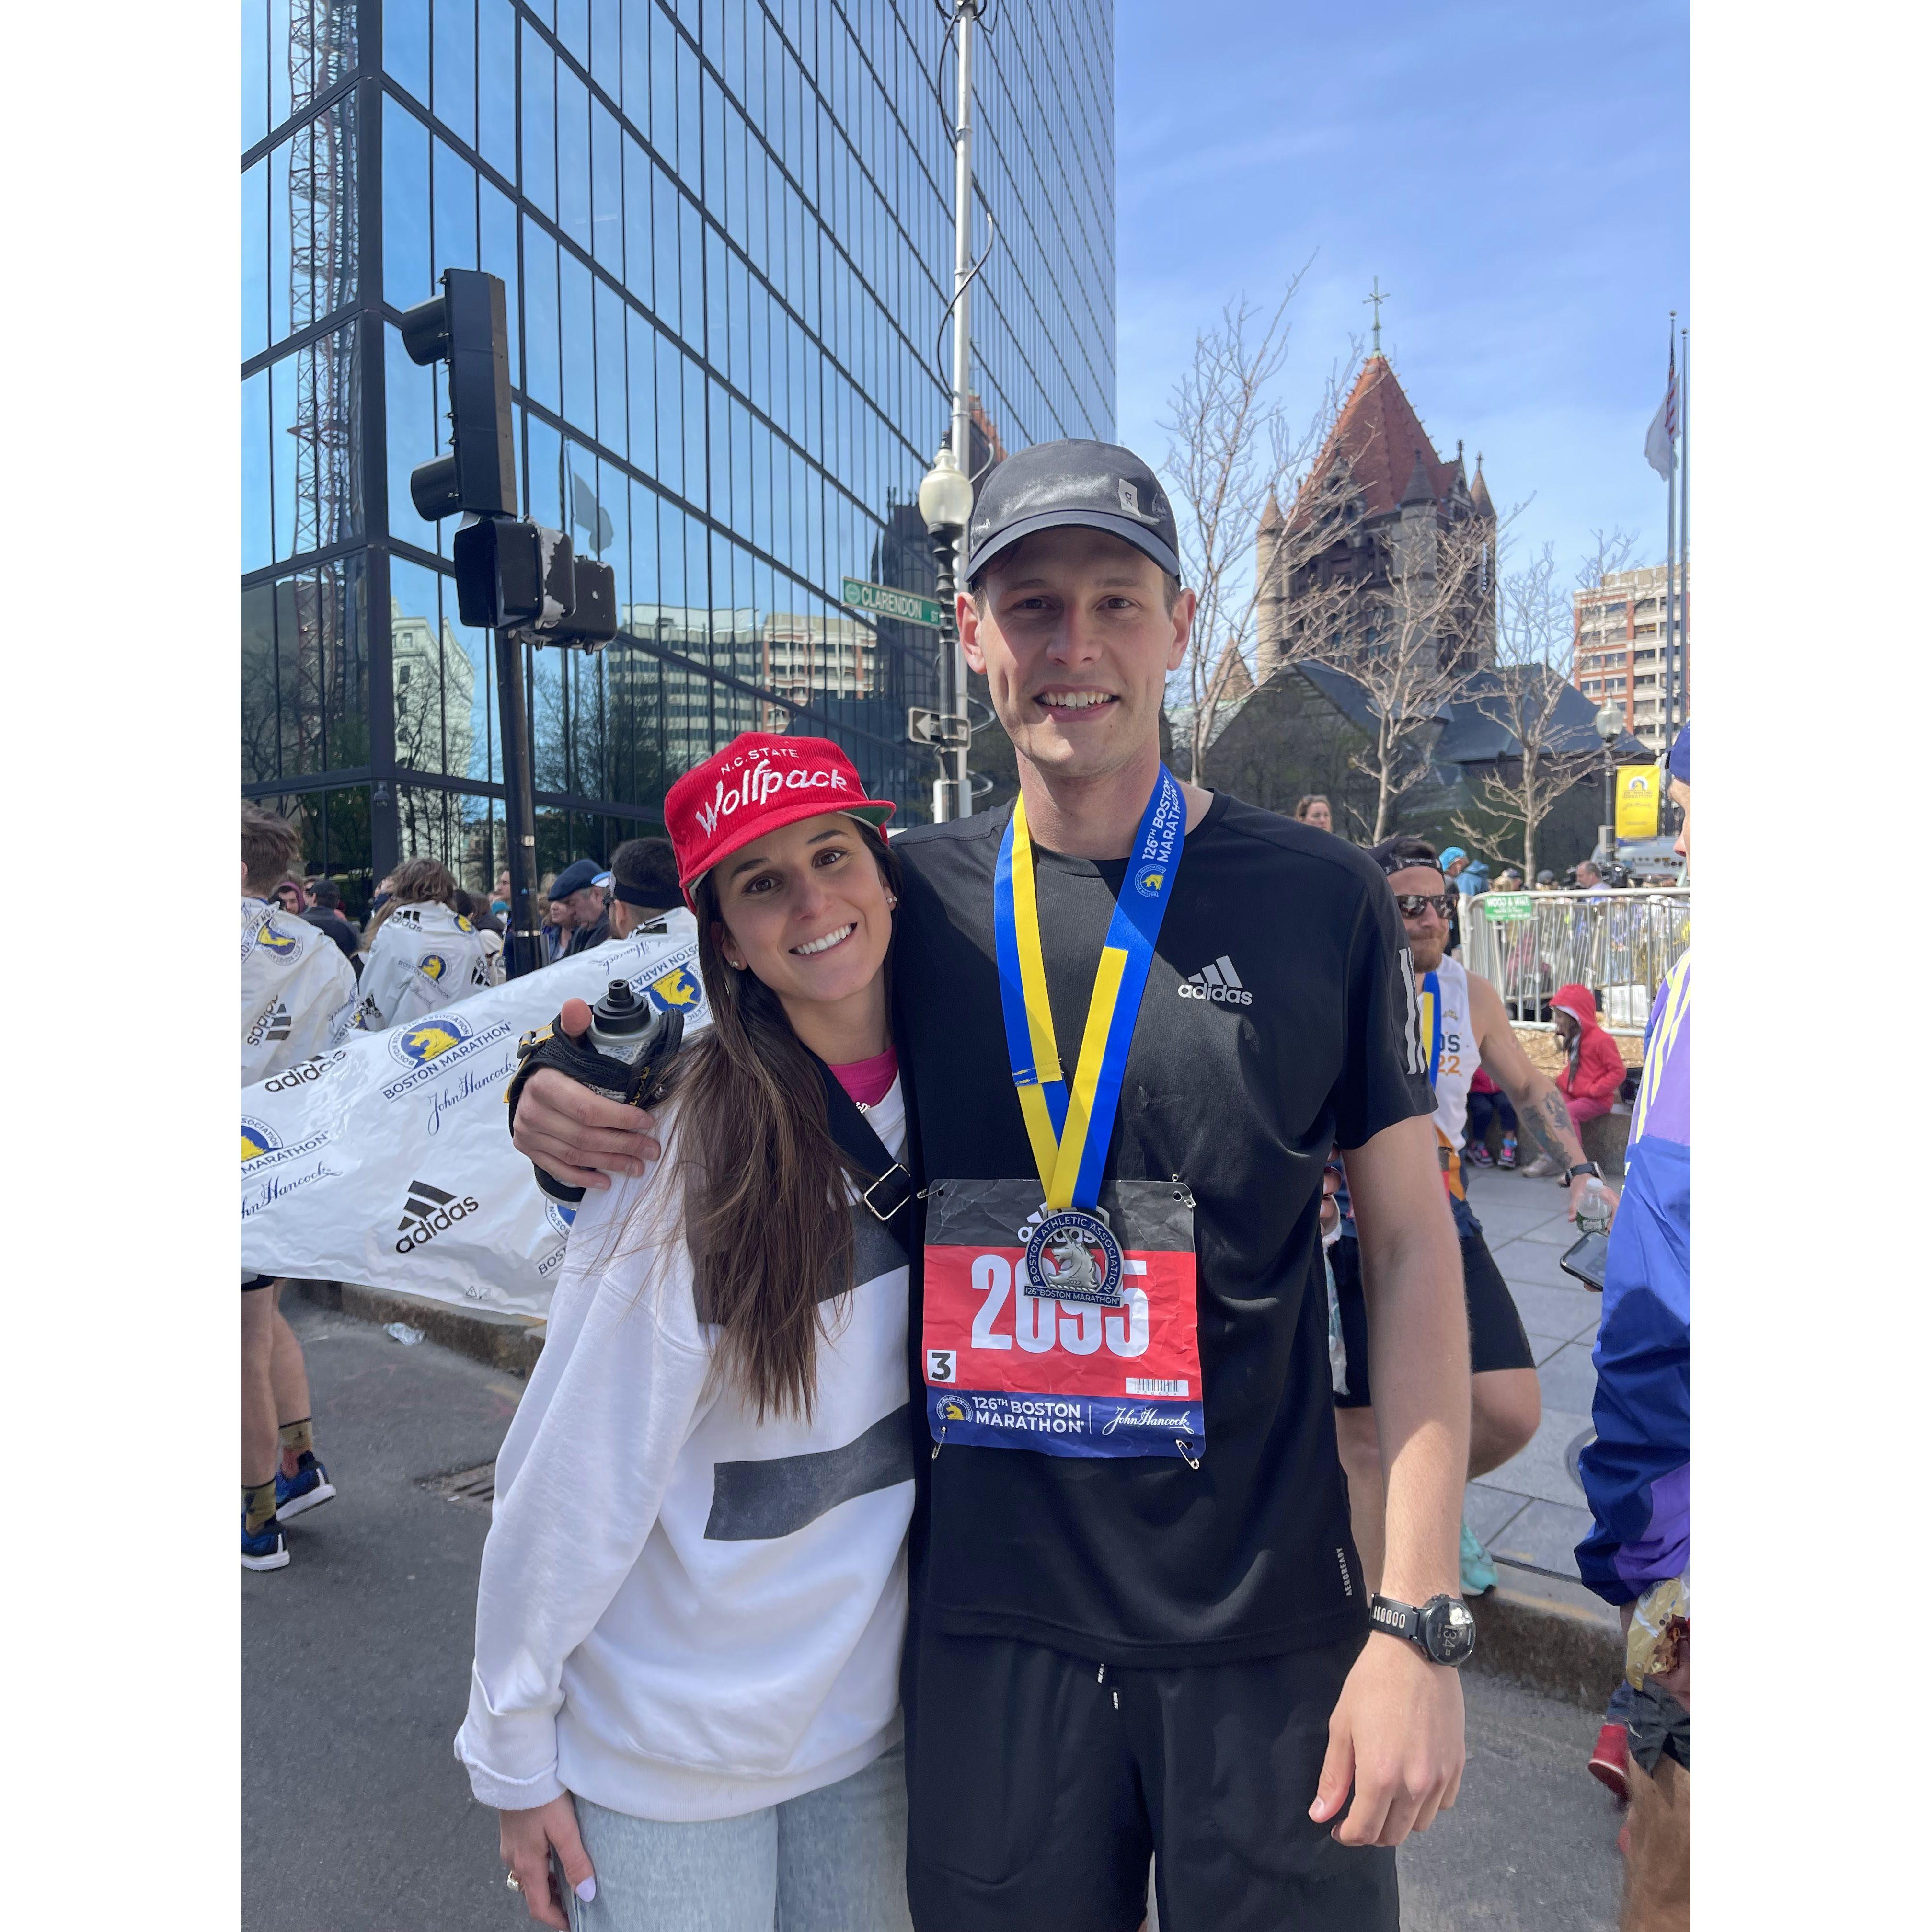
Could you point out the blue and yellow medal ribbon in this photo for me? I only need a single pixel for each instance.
(1070, 1132)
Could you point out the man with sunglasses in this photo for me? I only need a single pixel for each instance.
(1463, 1026)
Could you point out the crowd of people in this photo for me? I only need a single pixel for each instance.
(1005, 1409)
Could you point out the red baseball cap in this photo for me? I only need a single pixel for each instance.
(758, 782)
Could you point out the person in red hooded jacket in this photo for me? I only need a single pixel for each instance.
(1596, 1069)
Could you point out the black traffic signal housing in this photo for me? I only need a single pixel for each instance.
(507, 572)
(521, 577)
(467, 327)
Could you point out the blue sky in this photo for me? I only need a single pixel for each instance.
(1516, 173)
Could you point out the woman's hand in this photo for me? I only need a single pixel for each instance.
(525, 1839)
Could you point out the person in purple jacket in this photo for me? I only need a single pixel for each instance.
(1637, 1474)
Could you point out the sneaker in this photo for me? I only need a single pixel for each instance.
(1508, 1156)
(266, 1549)
(1478, 1152)
(1479, 1574)
(1538, 1169)
(309, 1486)
(1610, 1762)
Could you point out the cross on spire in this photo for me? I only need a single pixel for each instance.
(1378, 295)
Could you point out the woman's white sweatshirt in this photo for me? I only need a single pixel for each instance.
(684, 1613)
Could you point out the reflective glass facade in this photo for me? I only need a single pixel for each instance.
(725, 230)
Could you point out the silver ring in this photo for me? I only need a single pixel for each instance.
(513, 1882)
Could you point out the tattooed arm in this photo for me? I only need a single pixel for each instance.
(1541, 1112)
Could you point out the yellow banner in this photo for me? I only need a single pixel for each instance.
(1639, 792)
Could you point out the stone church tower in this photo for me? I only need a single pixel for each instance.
(1382, 526)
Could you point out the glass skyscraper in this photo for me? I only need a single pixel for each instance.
(725, 230)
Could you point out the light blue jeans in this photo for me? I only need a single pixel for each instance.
(832, 1860)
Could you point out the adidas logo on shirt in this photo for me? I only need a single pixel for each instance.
(1219, 982)
(428, 1212)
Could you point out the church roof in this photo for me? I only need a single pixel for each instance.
(1271, 516)
(1381, 439)
(1479, 490)
(1231, 668)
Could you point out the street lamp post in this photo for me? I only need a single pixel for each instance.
(1609, 727)
(945, 507)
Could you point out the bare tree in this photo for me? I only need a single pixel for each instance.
(1231, 447)
(1411, 647)
(1535, 653)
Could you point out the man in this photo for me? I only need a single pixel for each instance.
(325, 914)
(576, 907)
(298, 999)
(644, 890)
(1590, 877)
(1151, 1641)
(1636, 1473)
(1463, 1027)
(1454, 862)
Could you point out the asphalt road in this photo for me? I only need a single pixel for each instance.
(357, 1818)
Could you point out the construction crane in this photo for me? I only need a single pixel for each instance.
(322, 280)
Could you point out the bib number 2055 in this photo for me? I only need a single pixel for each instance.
(1011, 1368)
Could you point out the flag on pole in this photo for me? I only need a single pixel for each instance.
(1660, 446)
(589, 515)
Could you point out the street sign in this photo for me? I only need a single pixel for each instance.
(1507, 905)
(907, 606)
(935, 728)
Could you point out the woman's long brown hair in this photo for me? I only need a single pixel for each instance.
(414, 882)
(766, 1189)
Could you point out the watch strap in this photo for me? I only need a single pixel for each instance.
(1589, 1167)
(1396, 1619)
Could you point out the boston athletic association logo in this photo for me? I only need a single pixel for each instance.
(1072, 1255)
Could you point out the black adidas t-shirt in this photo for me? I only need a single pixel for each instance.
(1276, 1020)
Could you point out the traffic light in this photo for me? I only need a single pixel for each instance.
(466, 326)
(592, 619)
(506, 572)
(521, 577)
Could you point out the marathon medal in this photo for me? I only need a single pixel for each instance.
(1068, 1325)
(1072, 1256)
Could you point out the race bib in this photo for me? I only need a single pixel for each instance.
(1110, 1366)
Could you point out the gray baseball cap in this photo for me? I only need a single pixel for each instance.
(1078, 481)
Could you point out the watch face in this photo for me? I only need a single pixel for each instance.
(1448, 1631)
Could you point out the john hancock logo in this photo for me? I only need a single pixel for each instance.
(428, 1213)
(430, 1048)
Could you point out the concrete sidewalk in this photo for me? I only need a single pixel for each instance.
(1542, 1625)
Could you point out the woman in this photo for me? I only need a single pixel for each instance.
(419, 953)
(1312, 809)
(489, 933)
(693, 1597)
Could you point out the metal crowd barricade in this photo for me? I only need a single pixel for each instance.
(1619, 944)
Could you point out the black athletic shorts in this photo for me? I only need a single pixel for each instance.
(1042, 1783)
(1496, 1337)
(251, 1282)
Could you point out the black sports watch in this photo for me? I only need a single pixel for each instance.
(1589, 1167)
(1442, 1629)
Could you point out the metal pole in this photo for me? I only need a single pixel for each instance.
(1681, 672)
(1609, 838)
(1669, 553)
(523, 944)
(952, 796)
